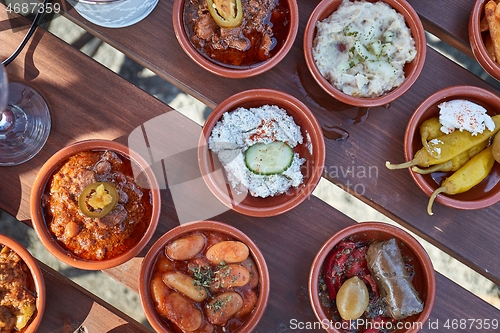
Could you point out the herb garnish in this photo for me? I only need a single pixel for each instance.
(222, 271)
(219, 303)
(203, 275)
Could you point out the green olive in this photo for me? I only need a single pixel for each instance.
(226, 13)
(87, 209)
(352, 298)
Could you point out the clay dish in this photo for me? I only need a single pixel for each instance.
(477, 40)
(143, 177)
(424, 279)
(313, 150)
(412, 70)
(148, 267)
(482, 195)
(36, 274)
(235, 71)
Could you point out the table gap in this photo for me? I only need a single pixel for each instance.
(460, 58)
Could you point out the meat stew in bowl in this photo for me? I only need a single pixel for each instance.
(260, 34)
(90, 232)
(95, 204)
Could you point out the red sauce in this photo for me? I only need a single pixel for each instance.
(259, 37)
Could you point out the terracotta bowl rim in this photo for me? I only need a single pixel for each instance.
(420, 43)
(314, 131)
(228, 72)
(206, 225)
(400, 234)
(37, 276)
(477, 44)
(412, 128)
(44, 175)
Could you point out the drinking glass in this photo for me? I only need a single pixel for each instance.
(24, 121)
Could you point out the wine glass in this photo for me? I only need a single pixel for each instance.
(24, 121)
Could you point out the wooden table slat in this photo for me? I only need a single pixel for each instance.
(70, 308)
(449, 20)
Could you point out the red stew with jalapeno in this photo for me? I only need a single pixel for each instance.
(95, 233)
(261, 33)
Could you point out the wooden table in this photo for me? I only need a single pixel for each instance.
(89, 101)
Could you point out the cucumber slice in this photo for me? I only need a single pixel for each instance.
(269, 158)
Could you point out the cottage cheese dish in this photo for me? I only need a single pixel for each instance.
(242, 128)
(362, 48)
(465, 116)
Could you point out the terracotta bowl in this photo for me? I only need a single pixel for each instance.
(38, 281)
(482, 195)
(477, 40)
(313, 150)
(412, 70)
(144, 178)
(235, 71)
(204, 227)
(424, 279)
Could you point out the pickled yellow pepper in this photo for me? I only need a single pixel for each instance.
(430, 129)
(468, 176)
(455, 163)
(447, 146)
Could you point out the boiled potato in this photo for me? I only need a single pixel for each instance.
(233, 275)
(249, 301)
(495, 148)
(185, 285)
(223, 307)
(352, 298)
(182, 312)
(186, 247)
(228, 252)
(249, 263)
(24, 316)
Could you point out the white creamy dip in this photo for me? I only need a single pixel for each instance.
(465, 116)
(240, 129)
(362, 48)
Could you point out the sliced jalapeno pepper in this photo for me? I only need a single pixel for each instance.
(98, 199)
(226, 13)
